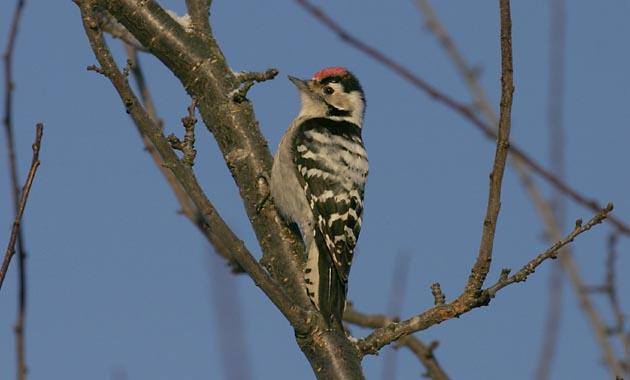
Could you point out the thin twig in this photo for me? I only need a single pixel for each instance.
(456, 106)
(438, 297)
(20, 323)
(187, 208)
(484, 258)
(465, 303)
(424, 353)
(187, 145)
(551, 253)
(22, 203)
(247, 79)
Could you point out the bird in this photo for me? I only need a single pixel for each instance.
(318, 180)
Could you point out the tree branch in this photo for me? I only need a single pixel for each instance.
(550, 253)
(198, 62)
(542, 206)
(424, 353)
(183, 173)
(187, 145)
(20, 322)
(222, 245)
(199, 11)
(22, 203)
(458, 107)
(484, 258)
(463, 304)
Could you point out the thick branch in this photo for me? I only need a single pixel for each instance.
(22, 203)
(484, 258)
(463, 304)
(199, 14)
(458, 107)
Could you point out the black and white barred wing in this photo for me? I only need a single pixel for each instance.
(332, 168)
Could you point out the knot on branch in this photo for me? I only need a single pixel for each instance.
(99, 70)
(187, 146)
(247, 80)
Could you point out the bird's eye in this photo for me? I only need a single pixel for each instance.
(328, 90)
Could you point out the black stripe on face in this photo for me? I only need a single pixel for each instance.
(334, 111)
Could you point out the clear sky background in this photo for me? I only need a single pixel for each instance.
(120, 283)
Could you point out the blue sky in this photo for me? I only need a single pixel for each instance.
(119, 281)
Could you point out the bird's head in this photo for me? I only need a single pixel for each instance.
(333, 92)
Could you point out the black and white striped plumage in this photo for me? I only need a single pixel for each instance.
(318, 181)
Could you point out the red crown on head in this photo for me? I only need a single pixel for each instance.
(330, 72)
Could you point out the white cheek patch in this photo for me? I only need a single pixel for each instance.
(352, 102)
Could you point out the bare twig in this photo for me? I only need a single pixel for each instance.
(463, 304)
(184, 173)
(484, 257)
(247, 79)
(438, 297)
(20, 351)
(424, 353)
(22, 203)
(456, 106)
(225, 247)
(187, 146)
(550, 253)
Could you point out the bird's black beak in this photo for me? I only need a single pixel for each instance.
(302, 85)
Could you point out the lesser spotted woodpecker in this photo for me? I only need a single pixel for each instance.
(317, 181)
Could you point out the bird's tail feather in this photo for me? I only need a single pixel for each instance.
(331, 297)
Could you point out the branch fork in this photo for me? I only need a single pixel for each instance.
(247, 80)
